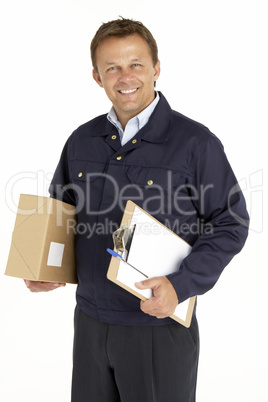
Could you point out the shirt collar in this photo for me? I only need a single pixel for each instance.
(140, 120)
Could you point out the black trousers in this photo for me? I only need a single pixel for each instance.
(113, 363)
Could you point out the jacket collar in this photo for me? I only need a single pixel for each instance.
(155, 131)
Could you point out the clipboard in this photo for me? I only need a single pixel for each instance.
(148, 248)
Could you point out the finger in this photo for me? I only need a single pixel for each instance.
(36, 286)
(154, 312)
(50, 285)
(147, 283)
(150, 306)
(54, 283)
(161, 316)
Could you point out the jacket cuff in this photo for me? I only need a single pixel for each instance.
(182, 290)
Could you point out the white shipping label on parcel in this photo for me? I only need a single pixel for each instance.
(55, 254)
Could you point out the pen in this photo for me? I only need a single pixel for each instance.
(116, 255)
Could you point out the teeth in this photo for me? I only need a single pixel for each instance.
(129, 91)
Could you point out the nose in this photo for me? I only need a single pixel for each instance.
(126, 76)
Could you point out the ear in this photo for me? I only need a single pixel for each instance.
(97, 77)
(157, 70)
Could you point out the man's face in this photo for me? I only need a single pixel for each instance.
(126, 72)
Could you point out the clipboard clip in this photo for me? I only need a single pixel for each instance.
(122, 238)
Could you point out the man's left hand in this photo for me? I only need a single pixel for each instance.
(164, 300)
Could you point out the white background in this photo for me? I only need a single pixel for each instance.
(214, 70)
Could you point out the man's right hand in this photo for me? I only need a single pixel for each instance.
(35, 286)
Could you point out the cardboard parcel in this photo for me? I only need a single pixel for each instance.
(42, 246)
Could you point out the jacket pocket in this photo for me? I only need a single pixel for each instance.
(154, 177)
(157, 186)
(82, 171)
(87, 180)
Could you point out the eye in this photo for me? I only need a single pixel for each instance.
(136, 65)
(111, 68)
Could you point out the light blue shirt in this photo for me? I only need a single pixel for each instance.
(133, 125)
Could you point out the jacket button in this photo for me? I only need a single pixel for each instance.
(113, 137)
(119, 157)
(150, 182)
(134, 141)
(80, 174)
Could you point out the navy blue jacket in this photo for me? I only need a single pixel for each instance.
(174, 168)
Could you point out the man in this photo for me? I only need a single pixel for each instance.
(174, 168)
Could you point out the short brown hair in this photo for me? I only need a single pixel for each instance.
(121, 28)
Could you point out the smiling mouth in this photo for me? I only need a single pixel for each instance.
(128, 91)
